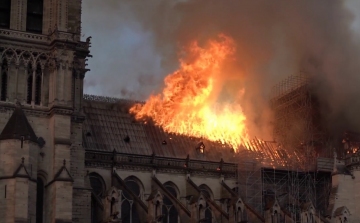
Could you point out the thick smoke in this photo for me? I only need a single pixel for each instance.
(274, 39)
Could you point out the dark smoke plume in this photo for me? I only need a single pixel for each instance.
(274, 39)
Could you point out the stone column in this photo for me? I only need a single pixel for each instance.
(33, 85)
(17, 65)
(42, 93)
(0, 74)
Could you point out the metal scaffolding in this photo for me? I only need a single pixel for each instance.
(294, 188)
(296, 113)
(288, 169)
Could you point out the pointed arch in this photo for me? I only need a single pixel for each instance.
(138, 186)
(206, 190)
(97, 184)
(4, 79)
(5, 10)
(34, 19)
(175, 190)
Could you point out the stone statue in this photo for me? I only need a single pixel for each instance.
(113, 199)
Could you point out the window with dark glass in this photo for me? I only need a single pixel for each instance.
(98, 189)
(129, 213)
(39, 200)
(4, 80)
(169, 211)
(29, 83)
(34, 19)
(5, 8)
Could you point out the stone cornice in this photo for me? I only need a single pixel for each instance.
(45, 42)
(20, 176)
(15, 36)
(109, 160)
(38, 111)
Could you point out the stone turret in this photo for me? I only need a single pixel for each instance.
(18, 169)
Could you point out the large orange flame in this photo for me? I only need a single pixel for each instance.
(188, 104)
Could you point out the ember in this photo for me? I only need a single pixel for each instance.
(189, 102)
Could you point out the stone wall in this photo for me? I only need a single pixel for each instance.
(81, 191)
(179, 181)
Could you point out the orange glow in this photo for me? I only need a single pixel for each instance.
(189, 102)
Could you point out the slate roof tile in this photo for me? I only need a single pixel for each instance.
(107, 124)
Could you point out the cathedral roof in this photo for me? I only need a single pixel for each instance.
(109, 126)
(18, 126)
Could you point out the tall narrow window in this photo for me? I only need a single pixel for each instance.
(38, 78)
(129, 213)
(5, 6)
(39, 200)
(34, 19)
(4, 80)
(29, 83)
(169, 210)
(98, 189)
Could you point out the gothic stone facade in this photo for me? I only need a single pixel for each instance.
(42, 66)
(66, 157)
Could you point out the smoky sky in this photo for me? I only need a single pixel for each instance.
(135, 45)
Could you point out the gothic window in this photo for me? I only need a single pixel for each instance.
(208, 214)
(97, 184)
(39, 200)
(168, 209)
(38, 80)
(98, 188)
(206, 191)
(129, 213)
(4, 80)
(29, 84)
(5, 8)
(238, 215)
(34, 19)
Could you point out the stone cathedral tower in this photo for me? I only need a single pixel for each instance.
(42, 67)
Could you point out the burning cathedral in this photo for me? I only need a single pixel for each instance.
(70, 157)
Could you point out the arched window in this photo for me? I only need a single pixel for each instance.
(168, 209)
(4, 80)
(129, 213)
(39, 200)
(5, 9)
(34, 19)
(98, 189)
(38, 80)
(208, 214)
(206, 191)
(97, 184)
(29, 83)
